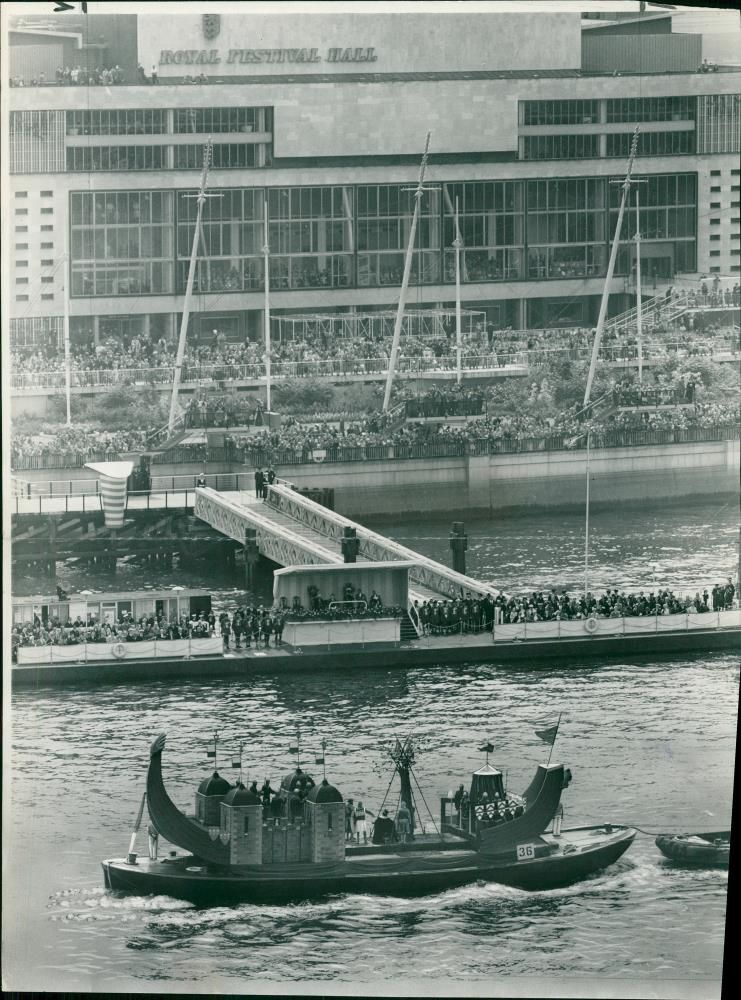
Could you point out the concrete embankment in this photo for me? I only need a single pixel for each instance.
(491, 483)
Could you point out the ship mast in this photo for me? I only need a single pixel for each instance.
(598, 338)
(200, 201)
(402, 754)
(418, 192)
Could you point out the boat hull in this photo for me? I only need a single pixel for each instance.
(396, 876)
(686, 850)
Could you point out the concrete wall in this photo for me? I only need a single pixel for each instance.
(401, 42)
(498, 482)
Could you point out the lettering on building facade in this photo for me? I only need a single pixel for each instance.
(212, 57)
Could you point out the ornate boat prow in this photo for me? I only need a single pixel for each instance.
(171, 823)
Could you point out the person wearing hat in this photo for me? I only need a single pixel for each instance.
(384, 831)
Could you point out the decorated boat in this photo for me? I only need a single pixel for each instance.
(702, 849)
(293, 842)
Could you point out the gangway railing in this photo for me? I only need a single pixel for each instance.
(373, 546)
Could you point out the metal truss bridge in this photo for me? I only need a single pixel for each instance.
(293, 530)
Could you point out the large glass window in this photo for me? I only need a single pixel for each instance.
(559, 112)
(558, 147)
(224, 156)
(212, 120)
(121, 242)
(36, 142)
(118, 122)
(668, 224)
(570, 213)
(311, 237)
(384, 223)
(86, 158)
(230, 243)
(652, 143)
(719, 123)
(491, 222)
(650, 109)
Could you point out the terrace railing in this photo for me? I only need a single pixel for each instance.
(505, 362)
(254, 457)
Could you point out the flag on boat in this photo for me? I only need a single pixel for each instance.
(293, 749)
(547, 735)
(319, 760)
(210, 753)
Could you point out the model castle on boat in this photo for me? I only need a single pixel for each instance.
(290, 843)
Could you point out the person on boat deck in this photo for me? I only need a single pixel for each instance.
(361, 822)
(349, 820)
(403, 822)
(458, 798)
(266, 791)
(276, 806)
(302, 782)
(384, 831)
(253, 788)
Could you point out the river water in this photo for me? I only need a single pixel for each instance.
(650, 743)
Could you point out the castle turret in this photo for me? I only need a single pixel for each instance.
(241, 825)
(209, 796)
(327, 810)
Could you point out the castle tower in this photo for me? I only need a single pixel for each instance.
(241, 825)
(209, 796)
(327, 810)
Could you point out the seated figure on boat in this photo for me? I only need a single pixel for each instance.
(384, 829)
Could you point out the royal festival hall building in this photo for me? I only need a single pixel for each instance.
(321, 121)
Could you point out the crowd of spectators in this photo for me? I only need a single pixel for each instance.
(53, 632)
(217, 358)
(254, 625)
(75, 76)
(76, 441)
(371, 432)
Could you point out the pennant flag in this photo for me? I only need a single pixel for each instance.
(547, 735)
(210, 753)
(319, 760)
(236, 762)
(488, 748)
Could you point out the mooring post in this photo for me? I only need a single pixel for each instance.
(350, 545)
(458, 546)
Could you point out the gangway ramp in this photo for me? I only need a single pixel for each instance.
(293, 530)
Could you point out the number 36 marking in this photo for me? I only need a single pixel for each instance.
(525, 851)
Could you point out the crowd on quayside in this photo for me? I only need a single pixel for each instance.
(302, 440)
(253, 626)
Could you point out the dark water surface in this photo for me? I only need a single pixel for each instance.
(650, 743)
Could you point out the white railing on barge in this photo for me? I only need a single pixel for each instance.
(89, 652)
(596, 628)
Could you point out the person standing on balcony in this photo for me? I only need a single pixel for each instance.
(259, 482)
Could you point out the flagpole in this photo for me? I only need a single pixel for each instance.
(554, 740)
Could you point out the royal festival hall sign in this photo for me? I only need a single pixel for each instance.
(213, 57)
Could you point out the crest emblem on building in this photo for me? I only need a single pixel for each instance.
(211, 25)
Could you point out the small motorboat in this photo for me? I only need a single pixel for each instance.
(294, 846)
(702, 849)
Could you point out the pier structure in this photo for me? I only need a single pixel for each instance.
(292, 529)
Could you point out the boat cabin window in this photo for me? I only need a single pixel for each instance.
(94, 609)
(109, 612)
(124, 606)
(329, 822)
(246, 825)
